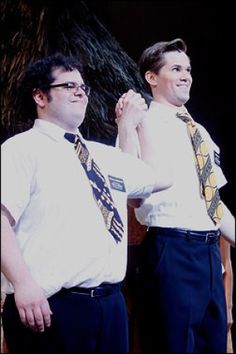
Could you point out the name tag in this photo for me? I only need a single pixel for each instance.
(217, 158)
(117, 183)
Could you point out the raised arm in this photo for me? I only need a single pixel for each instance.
(130, 110)
(136, 138)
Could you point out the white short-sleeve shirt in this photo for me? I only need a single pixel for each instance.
(58, 225)
(181, 205)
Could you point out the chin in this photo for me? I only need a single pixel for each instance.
(80, 121)
(185, 99)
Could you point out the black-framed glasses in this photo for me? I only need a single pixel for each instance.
(73, 87)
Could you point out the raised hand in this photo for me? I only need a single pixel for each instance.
(130, 109)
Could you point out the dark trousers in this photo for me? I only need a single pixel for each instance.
(80, 324)
(182, 302)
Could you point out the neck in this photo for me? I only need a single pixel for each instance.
(163, 100)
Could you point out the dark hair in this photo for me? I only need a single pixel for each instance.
(152, 58)
(39, 75)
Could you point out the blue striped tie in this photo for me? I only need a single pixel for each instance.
(100, 188)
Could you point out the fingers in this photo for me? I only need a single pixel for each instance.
(46, 312)
(130, 98)
(120, 105)
(134, 98)
(32, 305)
(22, 316)
(27, 317)
(130, 110)
(119, 108)
(30, 321)
(37, 318)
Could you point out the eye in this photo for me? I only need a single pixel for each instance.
(71, 85)
(176, 68)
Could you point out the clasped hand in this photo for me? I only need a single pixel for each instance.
(130, 109)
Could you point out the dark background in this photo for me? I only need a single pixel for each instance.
(207, 28)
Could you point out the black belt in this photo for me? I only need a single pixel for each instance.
(101, 290)
(201, 236)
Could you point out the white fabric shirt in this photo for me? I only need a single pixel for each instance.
(59, 227)
(181, 205)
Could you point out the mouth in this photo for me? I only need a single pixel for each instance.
(183, 87)
(80, 102)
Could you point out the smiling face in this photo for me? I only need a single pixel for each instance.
(171, 85)
(62, 106)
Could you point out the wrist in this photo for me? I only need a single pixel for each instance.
(125, 126)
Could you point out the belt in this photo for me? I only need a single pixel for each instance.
(201, 236)
(101, 290)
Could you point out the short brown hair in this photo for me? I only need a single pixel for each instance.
(152, 58)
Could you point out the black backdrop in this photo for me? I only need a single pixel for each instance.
(208, 30)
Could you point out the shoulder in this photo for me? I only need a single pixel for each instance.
(19, 141)
(207, 137)
(23, 145)
(212, 146)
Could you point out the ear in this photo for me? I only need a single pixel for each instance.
(39, 97)
(151, 78)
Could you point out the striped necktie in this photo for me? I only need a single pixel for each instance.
(205, 170)
(99, 187)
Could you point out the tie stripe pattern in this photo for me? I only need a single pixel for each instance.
(205, 170)
(99, 187)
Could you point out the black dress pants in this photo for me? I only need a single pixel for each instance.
(80, 324)
(182, 299)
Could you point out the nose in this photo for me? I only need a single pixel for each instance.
(186, 75)
(79, 91)
(186, 79)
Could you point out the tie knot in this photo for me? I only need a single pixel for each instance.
(70, 137)
(184, 116)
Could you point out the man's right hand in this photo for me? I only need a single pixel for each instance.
(33, 306)
(130, 109)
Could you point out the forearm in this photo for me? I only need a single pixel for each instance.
(128, 138)
(150, 154)
(131, 113)
(12, 262)
(31, 302)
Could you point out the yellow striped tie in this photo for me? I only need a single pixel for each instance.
(205, 170)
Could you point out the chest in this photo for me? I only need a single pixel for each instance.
(60, 177)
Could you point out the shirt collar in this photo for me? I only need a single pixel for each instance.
(52, 130)
(166, 110)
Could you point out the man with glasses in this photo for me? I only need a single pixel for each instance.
(64, 216)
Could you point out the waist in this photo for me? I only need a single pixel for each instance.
(98, 291)
(173, 215)
(208, 236)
